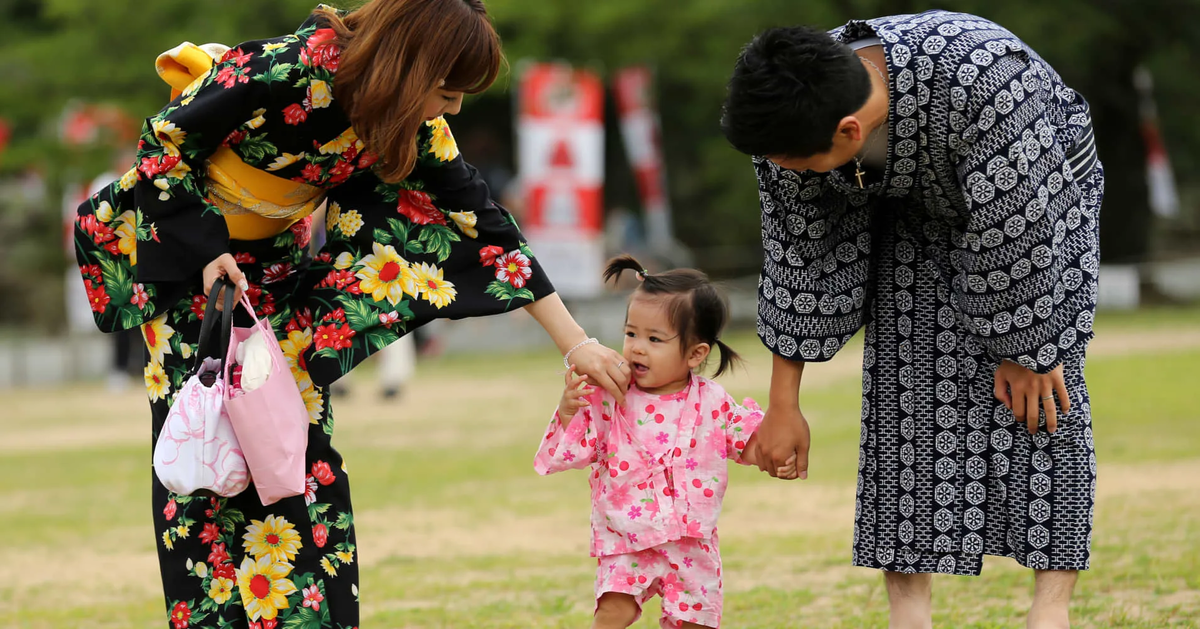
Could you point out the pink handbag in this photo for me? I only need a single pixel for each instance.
(271, 421)
(197, 451)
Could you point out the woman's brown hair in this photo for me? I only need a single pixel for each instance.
(394, 53)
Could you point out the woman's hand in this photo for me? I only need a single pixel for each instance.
(604, 368)
(224, 267)
(1024, 391)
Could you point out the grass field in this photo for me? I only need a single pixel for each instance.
(456, 530)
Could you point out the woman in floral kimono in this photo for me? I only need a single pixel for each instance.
(346, 110)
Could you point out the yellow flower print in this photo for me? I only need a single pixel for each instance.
(258, 120)
(220, 590)
(466, 222)
(185, 350)
(167, 541)
(273, 46)
(157, 335)
(385, 275)
(126, 232)
(345, 557)
(187, 101)
(332, 214)
(293, 346)
(350, 222)
(339, 144)
(436, 290)
(329, 569)
(182, 531)
(201, 569)
(285, 160)
(169, 135)
(157, 384)
(442, 144)
(313, 400)
(265, 587)
(319, 94)
(129, 179)
(179, 171)
(104, 212)
(344, 261)
(274, 538)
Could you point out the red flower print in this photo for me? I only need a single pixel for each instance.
(320, 535)
(169, 510)
(140, 296)
(321, 50)
(224, 571)
(91, 270)
(341, 171)
(341, 280)
(302, 232)
(366, 159)
(419, 208)
(489, 254)
(235, 138)
(113, 247)
(230, 76)
(218, 555)
(294, 114)
(344, 336)
(310, 490)
(237, 56)
(97, 297)
(350, 153)
(152, 166)
(210, 533)
(313, 597)
(325, 337)
(99, 232)
(387, 319)
(635, 512)
(276, 272)
(265, 624)
(180, 615)
(311, 173)
(321, 472)
(513, 267)
(198, 304)
(301, 321)
(338, 314)
(244, 258)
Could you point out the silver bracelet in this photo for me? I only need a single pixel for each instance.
(567, 356)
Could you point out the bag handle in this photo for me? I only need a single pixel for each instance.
(211, 315)
(263, 327)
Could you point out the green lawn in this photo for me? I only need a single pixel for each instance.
(457, 531)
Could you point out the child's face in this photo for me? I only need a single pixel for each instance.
(654, 349)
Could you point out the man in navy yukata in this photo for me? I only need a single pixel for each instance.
(931, 178)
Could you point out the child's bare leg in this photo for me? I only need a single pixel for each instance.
(910, 598)
(615, 611)
(1051, 599)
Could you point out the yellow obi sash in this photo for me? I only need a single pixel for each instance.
(255, 203)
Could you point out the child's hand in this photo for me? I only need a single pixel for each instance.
(574, 396)
(787, 471)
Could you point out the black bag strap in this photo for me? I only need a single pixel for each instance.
(211, 315)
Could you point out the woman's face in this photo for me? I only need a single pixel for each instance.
(442, 102)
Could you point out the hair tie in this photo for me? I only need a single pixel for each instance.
(641, 275)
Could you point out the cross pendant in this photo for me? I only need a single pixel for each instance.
(858, 173)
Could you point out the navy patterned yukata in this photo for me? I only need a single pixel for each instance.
(977, 243)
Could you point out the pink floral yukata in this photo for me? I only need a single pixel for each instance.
(658, 478)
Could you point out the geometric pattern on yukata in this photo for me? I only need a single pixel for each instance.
(975, 244)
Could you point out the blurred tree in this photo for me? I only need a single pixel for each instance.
(55, 51)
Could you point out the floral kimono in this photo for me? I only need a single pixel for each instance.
(235, 164)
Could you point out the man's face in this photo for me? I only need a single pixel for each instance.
(847, 142)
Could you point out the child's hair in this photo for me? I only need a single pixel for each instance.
(696, 310)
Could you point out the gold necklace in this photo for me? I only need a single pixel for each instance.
(858, 171)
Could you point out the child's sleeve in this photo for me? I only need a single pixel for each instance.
(569, 448)
(741, 422)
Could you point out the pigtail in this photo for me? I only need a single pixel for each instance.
(729, 358)
(623, 263)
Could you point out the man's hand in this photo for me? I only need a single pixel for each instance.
(781, 443)
(1024, 391)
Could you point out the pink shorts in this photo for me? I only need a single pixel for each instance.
(686, 573)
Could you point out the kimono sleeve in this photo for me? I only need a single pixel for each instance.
(179, 230)
(816, 267)
(1026, 263)
(567, 448)
(400, 255)
(741, 422)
